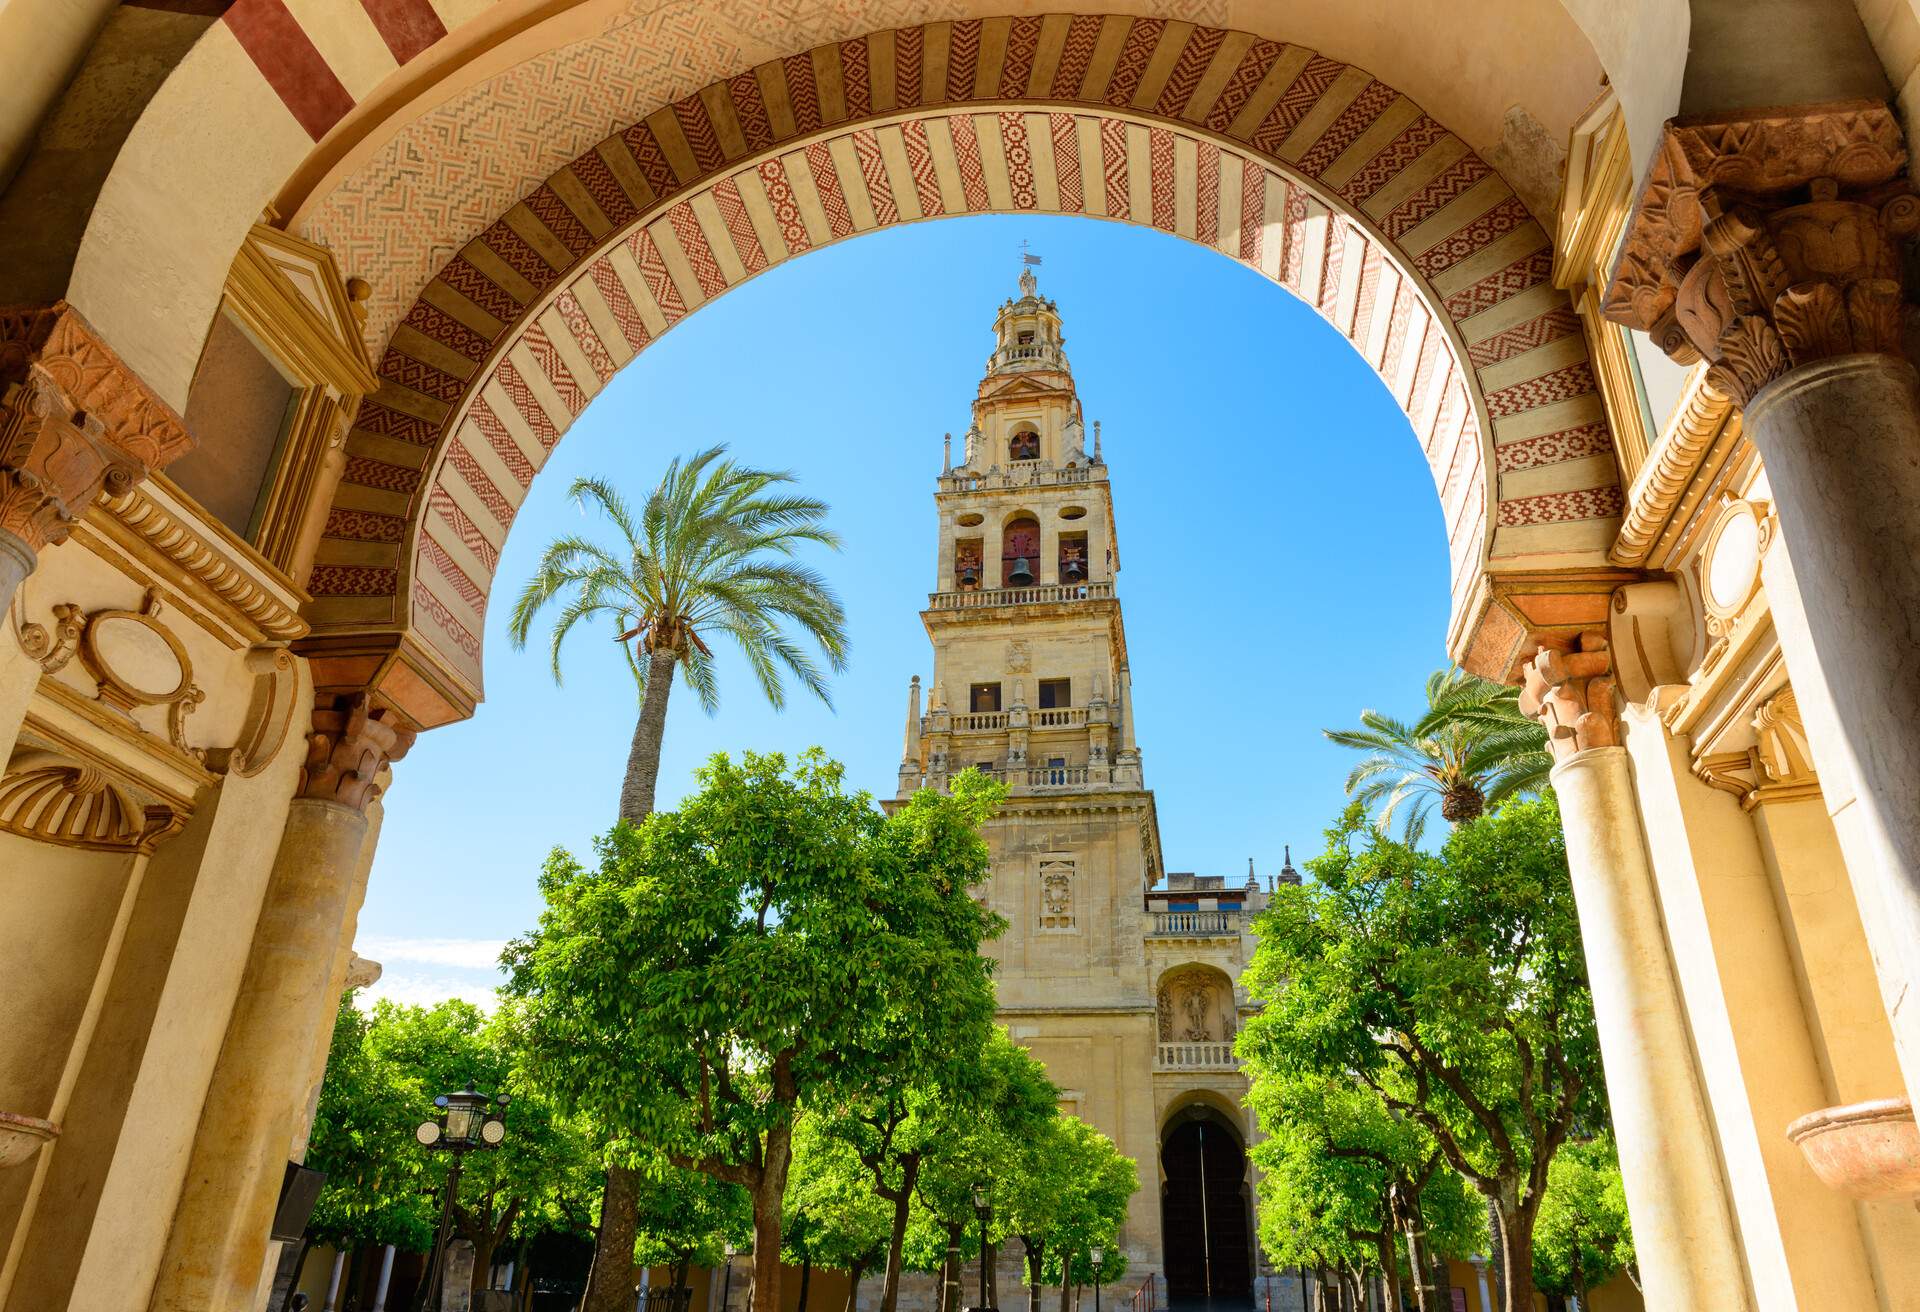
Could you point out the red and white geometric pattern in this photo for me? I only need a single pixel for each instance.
(1420, 271)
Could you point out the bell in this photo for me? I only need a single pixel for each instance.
(969, 575)
(1021, 576)
(1074, 569)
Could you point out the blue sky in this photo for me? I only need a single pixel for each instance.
(1284, 561)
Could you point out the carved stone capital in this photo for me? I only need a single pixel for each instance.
(1769, 240)
(74, 421)
(353, 740)
(54, 460)
(1569, 690)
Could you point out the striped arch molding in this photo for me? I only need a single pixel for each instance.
(1326, 180)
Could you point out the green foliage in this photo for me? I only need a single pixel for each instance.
(775, 936)
(1451, 986)
(362, 1138)
(1471, 748)
(833, 1216)
(1583, 1237)
(1070, 1193)
(687, 1216)
(383, 1072)
(711, 552)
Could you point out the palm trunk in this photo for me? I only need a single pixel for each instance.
(609, 1285)
(643, 758)
(610, 1281)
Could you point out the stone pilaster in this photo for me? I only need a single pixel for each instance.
(258, 1093)
(74, 422)
(1768, 244)
(1683, 1226)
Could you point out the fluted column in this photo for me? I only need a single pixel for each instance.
(1683, 1228)
(219, 1240)
(1769, 245)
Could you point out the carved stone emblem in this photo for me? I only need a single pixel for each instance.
(1019, 657)
(1056, 894)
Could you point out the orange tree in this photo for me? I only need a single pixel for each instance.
(775, 940)
(1453, 987)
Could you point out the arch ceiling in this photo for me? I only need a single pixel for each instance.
(1327, 179)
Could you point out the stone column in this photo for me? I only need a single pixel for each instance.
(1769, 245)
(1682, 1225)
(218, 1244)
(74, 421)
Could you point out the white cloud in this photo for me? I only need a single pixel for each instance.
(412, 990)
(463, 953)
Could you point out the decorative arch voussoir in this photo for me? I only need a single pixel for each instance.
(1325, 179)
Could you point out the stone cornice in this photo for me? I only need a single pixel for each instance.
(218, 572)
(1705, 423)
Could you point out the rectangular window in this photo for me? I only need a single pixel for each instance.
(984, 697)
(1055, 693)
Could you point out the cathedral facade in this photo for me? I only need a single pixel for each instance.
(1122, 978)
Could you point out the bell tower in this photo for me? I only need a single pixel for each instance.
(1030, 684)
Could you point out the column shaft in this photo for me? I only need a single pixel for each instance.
(1683, 1228)
(1841, 443)
(219, 1239)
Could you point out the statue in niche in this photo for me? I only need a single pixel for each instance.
(1194, 1004)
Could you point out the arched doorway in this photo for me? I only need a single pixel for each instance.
(1206, 1224)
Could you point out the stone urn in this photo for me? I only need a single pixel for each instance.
(1866, 1150)
(21, 1137)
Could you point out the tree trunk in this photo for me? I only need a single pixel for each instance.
(1417, 1264)
(768, 1194)
(1066, 1275)
(1035, 1260)
(680, 1270)
(610, 1279)
(854, 1273)
(1390, 1269)
(909, 1175)
(952, 1296)
(806, 1280)
(1514, 1243)
(643, 757)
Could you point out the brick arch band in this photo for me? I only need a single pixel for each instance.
(1324, 179)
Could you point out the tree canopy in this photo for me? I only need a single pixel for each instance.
(774, 940)
(1452, 986)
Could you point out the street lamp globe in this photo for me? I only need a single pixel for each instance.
(1097, 1255)
(982, 1201)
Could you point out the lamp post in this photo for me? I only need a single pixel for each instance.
(467, 1121)
(726, 1281)
(1096, 1255)
(983, 1208)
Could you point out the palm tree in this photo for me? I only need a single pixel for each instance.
(711, 553)
(1471, 748)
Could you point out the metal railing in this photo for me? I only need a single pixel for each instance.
(986, 598)
(1143, 1300)
(1196, 1057)
(1196, 922)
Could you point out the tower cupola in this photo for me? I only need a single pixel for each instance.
(1027, 333)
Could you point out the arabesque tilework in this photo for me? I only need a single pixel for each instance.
(662, 215)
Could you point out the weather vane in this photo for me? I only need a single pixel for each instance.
(1027, 257)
